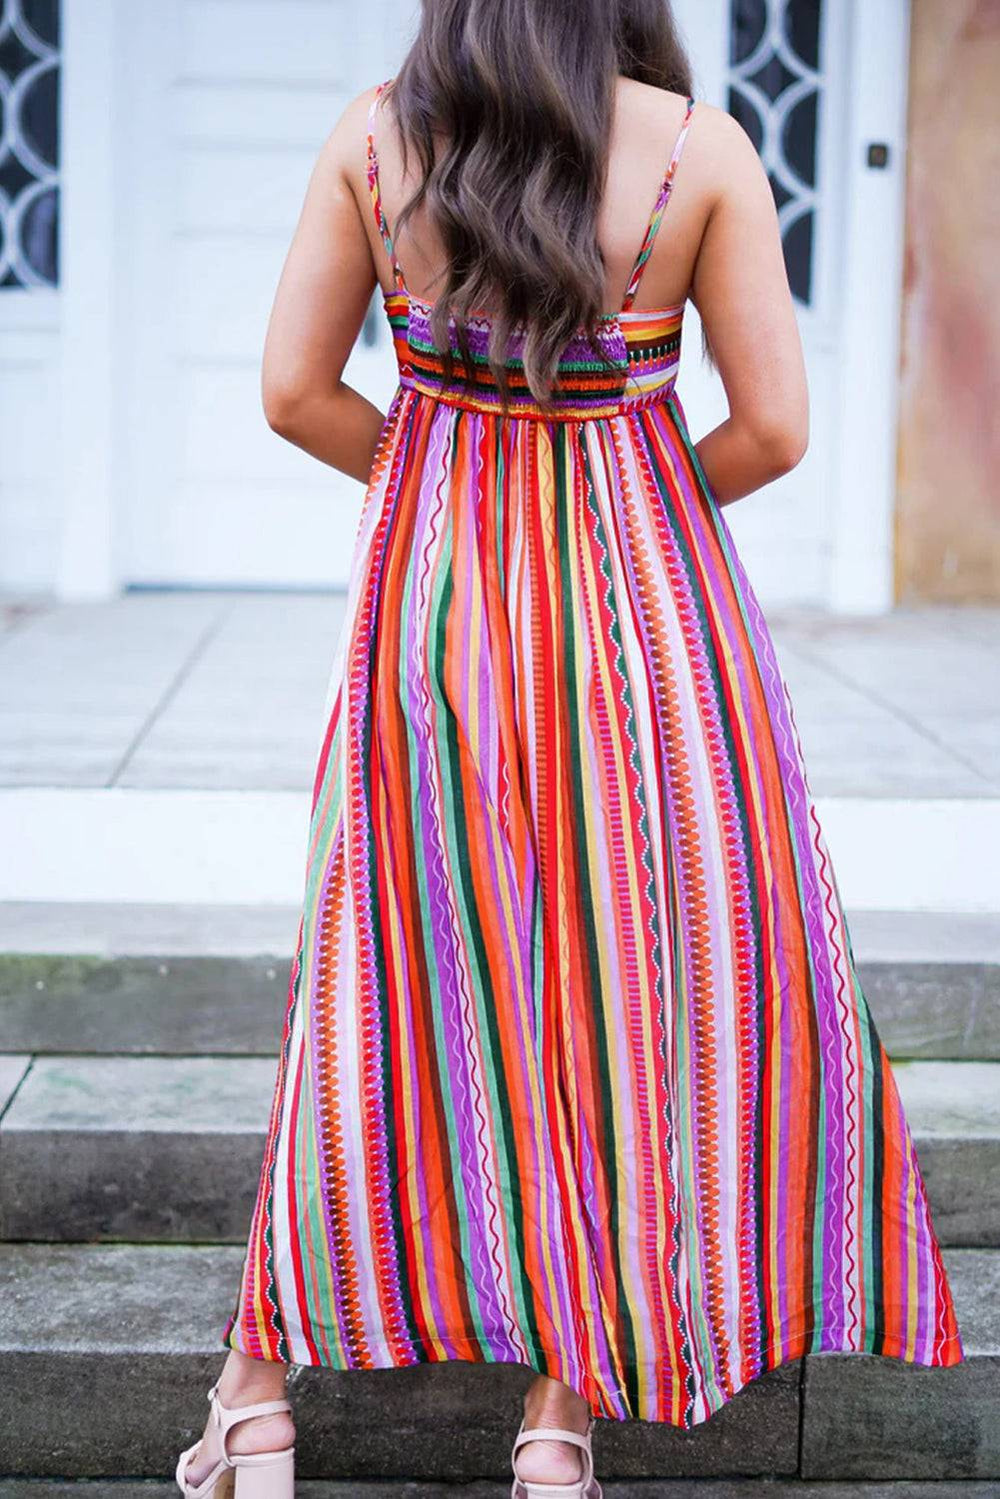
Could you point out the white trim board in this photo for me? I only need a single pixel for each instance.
(861, 531)
(89, 270)
(248, 847)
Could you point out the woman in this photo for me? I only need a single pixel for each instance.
(576, 1071)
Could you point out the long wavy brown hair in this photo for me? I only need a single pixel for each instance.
(508, 104)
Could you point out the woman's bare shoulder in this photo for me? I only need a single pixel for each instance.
(726, 162)
(343, 155)
(717, 148)
(647, 106)
(346, 142)
(720, 136)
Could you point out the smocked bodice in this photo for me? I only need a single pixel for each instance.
(644, 348)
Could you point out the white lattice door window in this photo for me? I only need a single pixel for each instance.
(29, 292)
(777, 92)
(29, 143)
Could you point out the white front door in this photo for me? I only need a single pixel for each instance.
(225, 104)
(798, 76)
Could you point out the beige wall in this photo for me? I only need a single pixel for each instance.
(948, 500)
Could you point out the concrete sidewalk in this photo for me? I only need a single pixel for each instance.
(225, 691)
(161, 748)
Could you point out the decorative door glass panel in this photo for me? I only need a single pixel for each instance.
(776, 93)
(29, 143)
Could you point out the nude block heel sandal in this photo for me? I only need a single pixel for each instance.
(250, 1475)
(586, 1486)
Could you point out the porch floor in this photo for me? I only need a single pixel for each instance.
(225, 691)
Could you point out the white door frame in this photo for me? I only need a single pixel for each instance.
(88, 208)
(861, 541)
(867, 87)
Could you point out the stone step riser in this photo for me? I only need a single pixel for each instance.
(172, 1189)
(375, 1424)
(145, 1321)
(170, 1149)
(388, 1424)
(640, 1488)
(65, 1186)
(170, 1006)
(174, 1005)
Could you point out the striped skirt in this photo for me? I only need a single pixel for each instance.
(576, 1071)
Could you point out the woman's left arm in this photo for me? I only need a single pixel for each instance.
(319, 307)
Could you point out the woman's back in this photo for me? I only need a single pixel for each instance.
(645, 123)
(718, 245)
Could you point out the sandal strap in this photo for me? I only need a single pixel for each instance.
(226, 1419)
(550, 1434)
(557, 1434)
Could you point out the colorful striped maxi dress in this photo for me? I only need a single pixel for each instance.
(576, 1071)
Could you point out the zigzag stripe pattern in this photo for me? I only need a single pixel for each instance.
(576, 1069)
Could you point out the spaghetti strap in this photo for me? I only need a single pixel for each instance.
(375, 190)
(662, 198)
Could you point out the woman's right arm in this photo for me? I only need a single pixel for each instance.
(319, 308)
(740, 288)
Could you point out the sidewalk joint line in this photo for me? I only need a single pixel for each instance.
(19, 1085)
(169, 694)
(839, 675)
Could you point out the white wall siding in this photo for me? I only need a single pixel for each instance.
(268, 41)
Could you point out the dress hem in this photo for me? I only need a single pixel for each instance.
(710, 1398)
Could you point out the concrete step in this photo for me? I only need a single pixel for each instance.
(954, 1113)
(181, 980)
(184, 980)
(165, 1148)
(84, 1323)
(650, 1488)
(169, 1148)
(896, 851)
